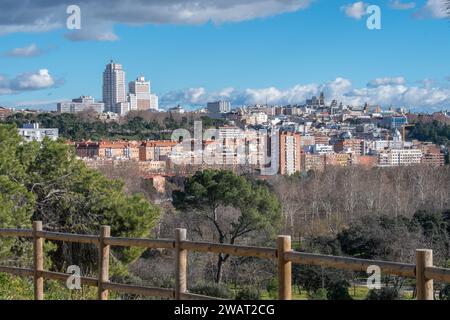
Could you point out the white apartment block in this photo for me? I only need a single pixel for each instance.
(291, 150)
(32, 132)
(400, 157)
(80, 104)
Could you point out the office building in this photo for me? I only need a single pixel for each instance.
(219, 107)
(140, 88)
(80, 104)
(114, 92)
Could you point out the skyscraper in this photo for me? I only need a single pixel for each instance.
(114, 93)
(141, 89)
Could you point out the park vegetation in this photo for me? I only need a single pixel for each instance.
(381, 213)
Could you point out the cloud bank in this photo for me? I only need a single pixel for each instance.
(383, 91)
(98, 18)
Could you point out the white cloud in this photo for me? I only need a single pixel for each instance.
(386, 81)
(399, 5)
(437, 9)
(33, 81)
(27, 82)
(384, 91)
(29, 51)
(355, 10)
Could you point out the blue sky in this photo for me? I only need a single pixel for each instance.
(282, 51)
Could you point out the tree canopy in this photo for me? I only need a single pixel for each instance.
(46, 182)
(235, 205)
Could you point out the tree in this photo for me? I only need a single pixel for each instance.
(46, 182)
(234, 205)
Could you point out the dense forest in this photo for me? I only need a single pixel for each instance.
(436, 131)
(142, 125)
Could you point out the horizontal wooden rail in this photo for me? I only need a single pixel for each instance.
(22, 272)
(438, 274)
(68, 237)
(26, 233)
(423, 271)
(236, 250)
(59, 276)
(352, 264)
(143, 243)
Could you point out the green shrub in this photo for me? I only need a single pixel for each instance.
(338, 291)
(248, 293)
(385, 293)
(319, 294)
(212, 290)
(444, 294)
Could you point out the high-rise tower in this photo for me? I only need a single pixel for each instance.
(114, 92)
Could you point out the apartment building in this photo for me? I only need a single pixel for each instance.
(354, 146)
(432, 155)
(311, 161)
(4, 113)
(157, 150)
(400, 157)
(289, 153)
(32, 132)
(119, 150)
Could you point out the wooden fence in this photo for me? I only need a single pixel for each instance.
(423, 270)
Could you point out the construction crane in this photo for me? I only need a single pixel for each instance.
(404, 130)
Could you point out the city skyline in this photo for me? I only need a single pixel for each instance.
(282, 53)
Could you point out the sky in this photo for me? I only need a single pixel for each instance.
(245, 51)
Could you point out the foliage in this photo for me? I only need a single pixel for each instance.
(272, 288)
(248, 293)
(435, 131)
(46, 182)
(379, 237)
(386, 293)
(211, 193)
(320, 294)
(212, 290)
(444, 293)
(143, 125)
(338, 290)
(321, 282)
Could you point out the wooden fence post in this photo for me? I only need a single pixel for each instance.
(103, 263)
(38, 261)
(284, 268)
(424, 286)
(180, 264)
